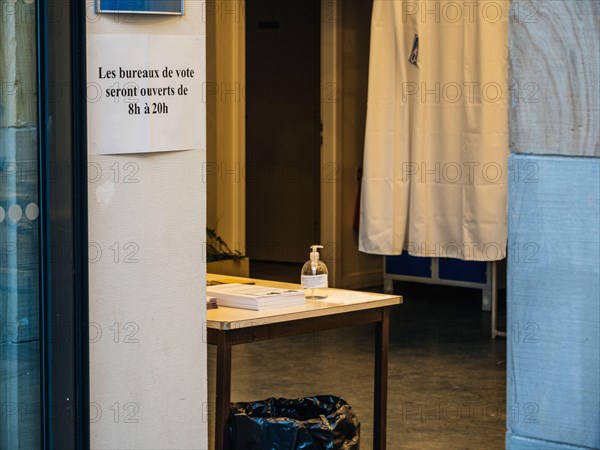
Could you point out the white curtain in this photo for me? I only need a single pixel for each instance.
(436, 149)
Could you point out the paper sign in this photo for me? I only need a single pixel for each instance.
(144, 93)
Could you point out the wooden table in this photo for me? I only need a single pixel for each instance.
(227, 327)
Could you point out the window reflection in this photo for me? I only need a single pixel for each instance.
(19, 217)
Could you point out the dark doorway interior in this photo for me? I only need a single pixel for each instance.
(282, 129)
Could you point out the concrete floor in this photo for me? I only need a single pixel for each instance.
(446, 376)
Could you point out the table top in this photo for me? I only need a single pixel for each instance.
(338, 301)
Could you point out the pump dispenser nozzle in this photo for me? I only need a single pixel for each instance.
(314, 255)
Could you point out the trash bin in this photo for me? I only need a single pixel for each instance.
(323, 422)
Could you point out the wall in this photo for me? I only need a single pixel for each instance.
(226, 132)
(148, 385)
(358, 269)
(553, 395)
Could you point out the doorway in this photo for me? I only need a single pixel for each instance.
(283, 130)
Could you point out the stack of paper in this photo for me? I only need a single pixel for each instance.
(254, 297)
(211, 303)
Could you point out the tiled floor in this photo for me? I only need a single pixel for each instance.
(446, 382)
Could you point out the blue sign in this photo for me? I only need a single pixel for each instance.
(141, 6)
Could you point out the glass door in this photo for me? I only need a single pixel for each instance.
(20, 424)
(44, 370)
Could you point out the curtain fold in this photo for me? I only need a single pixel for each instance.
(436, 145)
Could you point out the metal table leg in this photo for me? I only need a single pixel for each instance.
(223, 392)
(382, 337)
(495, 331)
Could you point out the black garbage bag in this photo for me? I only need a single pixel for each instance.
(323, 422)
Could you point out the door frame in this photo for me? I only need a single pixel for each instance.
(224, 96)
(331, 150)
(63, 241)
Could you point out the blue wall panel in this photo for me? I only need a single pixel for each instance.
(521, 443)
(405, 264)
(553, 295)
(457, 269)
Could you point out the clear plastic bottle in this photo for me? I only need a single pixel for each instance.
(314, 276)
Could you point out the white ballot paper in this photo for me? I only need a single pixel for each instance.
(254, 297)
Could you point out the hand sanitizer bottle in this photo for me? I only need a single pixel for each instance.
(313, 277)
